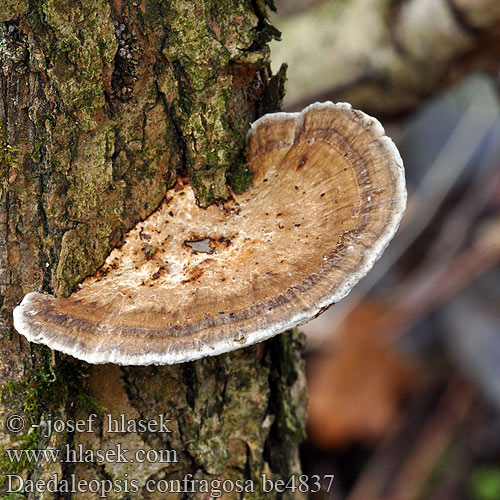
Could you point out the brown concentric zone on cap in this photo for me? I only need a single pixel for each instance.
(327, 196)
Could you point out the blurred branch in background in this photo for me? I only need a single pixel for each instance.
(399, 472)
(383, 56)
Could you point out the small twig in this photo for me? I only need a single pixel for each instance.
(438, 287)
(433, 441)
(438, 433)
(459, 222)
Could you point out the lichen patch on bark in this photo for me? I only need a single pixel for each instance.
(203, 45)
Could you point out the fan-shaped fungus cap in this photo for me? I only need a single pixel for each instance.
(327, 196)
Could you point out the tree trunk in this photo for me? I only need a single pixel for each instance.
(103, 104)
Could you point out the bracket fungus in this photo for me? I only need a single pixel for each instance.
(327, 196)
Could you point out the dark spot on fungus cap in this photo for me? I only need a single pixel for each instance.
(302, 162)
(264, 282)
(204, 245)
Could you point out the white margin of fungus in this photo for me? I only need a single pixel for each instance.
(24, 310)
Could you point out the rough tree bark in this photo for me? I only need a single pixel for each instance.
(103, 103)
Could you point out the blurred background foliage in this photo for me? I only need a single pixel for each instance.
(404, 374)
